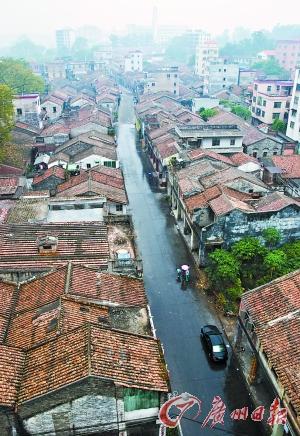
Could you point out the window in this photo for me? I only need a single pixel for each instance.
(88, 165)
(253, 109)
(19, 111)
(153, 84)
(224, 70)
(174, 91)
(292, 124)
(275, 153)
(254, 99)
(119, 207)
(278, 88)
(258, 112)
(269, 88)
(277, 104)
(296, 100)
(275, 115)
(255, 154)
(298, 87)
(287, 105)
(216, 141)
(263, 113)
(265, 153)
(220, 70)
(232, 141)
(255, 87)
(44, 109)
(224, 79)
(168, 76)
(54, 109)
(175, 83)
(294, 112)
(175, 76)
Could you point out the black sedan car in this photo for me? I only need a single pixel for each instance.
(214, 342)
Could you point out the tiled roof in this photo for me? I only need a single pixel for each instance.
(127, 359)
(46, 322)
(199, 153)
(105, 287)
(85, 243)
(54, 171)
(8, 170)
(289, 164)
(167, 149)
(98, 181)
(8, 185)
(12, 361)
(242, 158)
(275, 201)
(201, 200)
(251, 133)
(275, 311)
(224, 204)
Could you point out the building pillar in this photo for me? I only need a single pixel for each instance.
(194, 240)
(202, 253)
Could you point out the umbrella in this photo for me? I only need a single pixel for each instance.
(185, 267)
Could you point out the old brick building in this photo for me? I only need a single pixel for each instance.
(88, 363)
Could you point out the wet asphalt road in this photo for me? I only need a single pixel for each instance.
(178, 314)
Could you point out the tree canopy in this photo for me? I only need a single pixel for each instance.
(208, 113)
(17, 75)
(249, 263)
(271, 67)
(6, 114)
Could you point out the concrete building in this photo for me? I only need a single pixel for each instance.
(225, 139)
(64, 40)
(293, 127)
(287, 53)
(164, 79)
(133, 61)
(271, 100)
(221, 75)
(206, 52)
(27, 109)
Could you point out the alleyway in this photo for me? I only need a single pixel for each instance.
(178, 314)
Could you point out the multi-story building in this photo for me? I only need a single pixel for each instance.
(64, 40)
(293, 127)
(164, 79)
(271, 100)
(221, 75)
(288, 54)
(225, 139)
(28, 109)
(206, 52)
(133, 61)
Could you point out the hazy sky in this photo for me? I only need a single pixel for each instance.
(39, 18)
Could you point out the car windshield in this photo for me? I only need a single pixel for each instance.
(218, 348)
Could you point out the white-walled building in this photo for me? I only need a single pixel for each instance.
(27, 109)
(221, 75)
(293, 127)
(64, 39)
(164, 79)
(206, 52)
(224, 139)
(133, 61)
(52, 107)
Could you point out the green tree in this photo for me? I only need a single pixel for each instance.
(6, 114)
(271, 236)
(241, 111)
(275, 263)
(271, 67)
(279, 126)
(223, 269)
(250, 253)
(292, 251)
(205, 114)
(18, 76)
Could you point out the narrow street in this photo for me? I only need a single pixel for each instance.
(178, 314)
